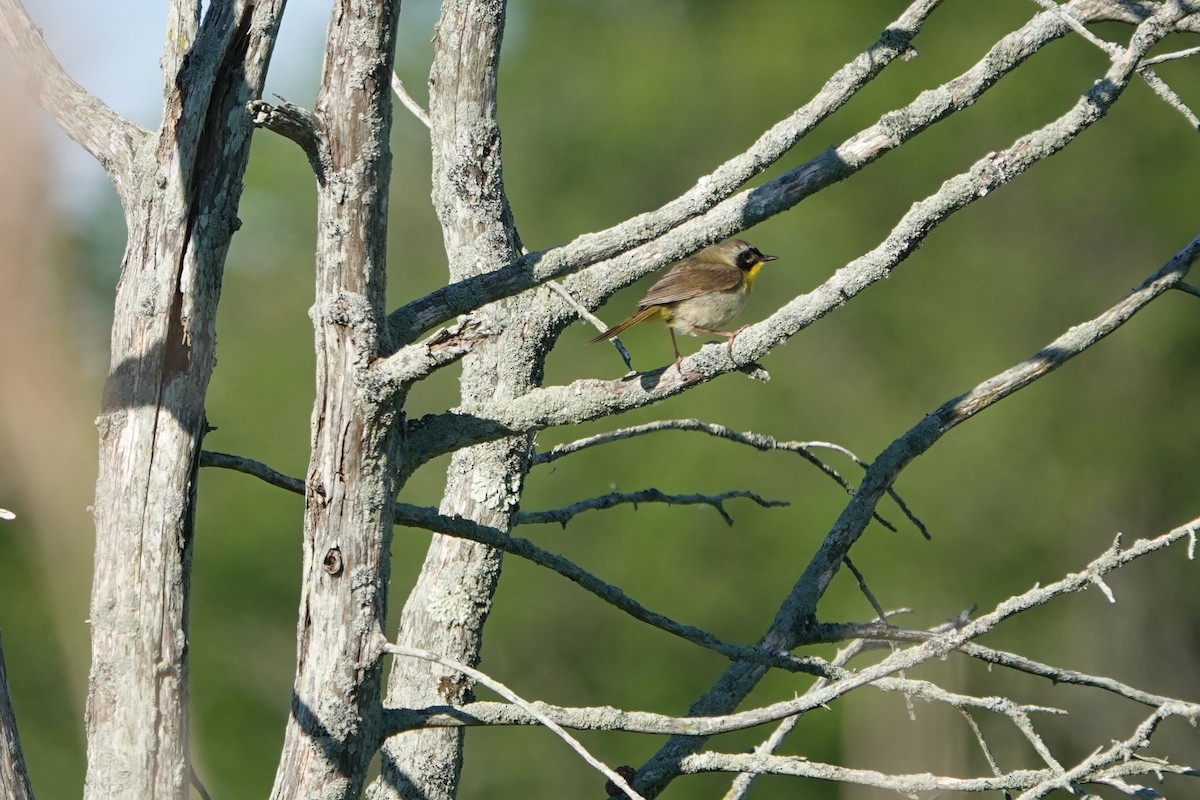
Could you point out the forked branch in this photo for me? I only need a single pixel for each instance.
(109, 137)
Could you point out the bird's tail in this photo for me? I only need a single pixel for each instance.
(620, 327)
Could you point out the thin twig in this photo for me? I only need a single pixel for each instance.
(1072, 17)
(758, 441)
(249, 466)
(983, 745)
(531, 708)
(1175, 56)
(564, 515)
(409, 101)
(591, 318)
(1169, 95)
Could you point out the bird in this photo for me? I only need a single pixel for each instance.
(700, 294)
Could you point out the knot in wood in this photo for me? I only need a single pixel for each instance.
(333, 561)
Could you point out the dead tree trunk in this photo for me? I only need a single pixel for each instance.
(447, 609)
(180, 189)
(333, 731)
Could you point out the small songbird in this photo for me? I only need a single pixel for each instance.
(701, 293)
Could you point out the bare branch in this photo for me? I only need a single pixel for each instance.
(249, 466)
(590, 318)
(606, 718)
(530, 708)
(1176, 56)
(983, 745)
(1060, 675)
(1169, 95)
(1120, 758)
(564, 515)
(514, 545)
(429, 519)
(459, 298)
(297, 124)
(739, 679)
(109, 137)
(758, 441)
(408, 101)
(1098, 768)
(590, 399)
(1038, 783)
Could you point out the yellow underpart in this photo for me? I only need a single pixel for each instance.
(751, 274)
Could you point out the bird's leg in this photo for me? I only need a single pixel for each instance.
(678, 357)
(729, 335)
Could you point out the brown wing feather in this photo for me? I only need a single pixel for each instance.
(689, 279)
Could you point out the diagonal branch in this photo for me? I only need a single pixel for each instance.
(298, 124)
(411, 320)
(667, 762)
(109, 137)
(1105, 766)
(1169, 95)
(530, 708)
(459, 527)
(589, 399)
(564, 515)
(800, 606)
(710, 211)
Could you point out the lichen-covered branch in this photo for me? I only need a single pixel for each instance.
(711, 211)
(590, 399)
(535, 268)
(355, 460)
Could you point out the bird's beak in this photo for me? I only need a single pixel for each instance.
(770, 258)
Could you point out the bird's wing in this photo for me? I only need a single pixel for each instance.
(690, 279)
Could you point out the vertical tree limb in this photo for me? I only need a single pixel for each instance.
(333, 731)
(447, 608)
(180, 189)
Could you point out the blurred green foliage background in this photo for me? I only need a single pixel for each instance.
(611, 108)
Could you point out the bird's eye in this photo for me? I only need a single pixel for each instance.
(748, 258)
